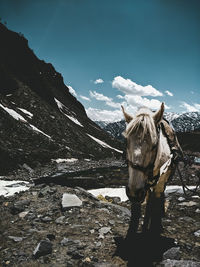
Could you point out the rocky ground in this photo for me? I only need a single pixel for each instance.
(56, 225)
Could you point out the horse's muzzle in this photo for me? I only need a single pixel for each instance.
(139, 195)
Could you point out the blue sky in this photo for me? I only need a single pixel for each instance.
(112, 52)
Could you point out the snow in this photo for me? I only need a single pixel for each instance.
(13, 113)
(74, 120)
(61, 106)
(17, 116)
(39, 131)
(121, 192)
(103, 144)
(65, 160)
(29, 114)
(9, 188)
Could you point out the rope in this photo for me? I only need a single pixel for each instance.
(184, 186)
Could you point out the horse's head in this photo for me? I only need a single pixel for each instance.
(142, 142)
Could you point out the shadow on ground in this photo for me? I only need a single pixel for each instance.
(142, 249)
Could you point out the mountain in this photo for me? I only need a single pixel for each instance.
(186, 125)
(39, 118)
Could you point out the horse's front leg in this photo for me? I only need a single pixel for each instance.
(135, 216)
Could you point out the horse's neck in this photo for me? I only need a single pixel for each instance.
(163, 152)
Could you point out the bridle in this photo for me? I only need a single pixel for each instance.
(148, 170)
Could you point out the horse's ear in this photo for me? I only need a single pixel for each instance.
(159, 114)
(127, 117)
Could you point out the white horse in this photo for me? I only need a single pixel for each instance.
(150, 166)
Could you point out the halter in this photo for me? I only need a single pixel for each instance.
(152, 179)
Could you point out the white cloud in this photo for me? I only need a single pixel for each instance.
(168, 93)
(138, 101)
(72, 91)
(190, 108)
(104, 115)
(108, 101)
(120, 96)
(99, 96)
(85, 98)
(98, 81)
(131, 88)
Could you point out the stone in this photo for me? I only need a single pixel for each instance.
(70, 201)
(28, 168)
(60, 220)
(179, 263)
(46, 219)
(51, 237)
(85, 193)
(23, 214)
(181, 199)
(15, 238)
(42, 249)
(103, 231)
(197, 233)
(19, 206)
(188, 204)
(172, 254)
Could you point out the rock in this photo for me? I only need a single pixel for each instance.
(19, 206)
(124, 211)
(26, 167)
(60, 220)
(172, 254)
(45, 191)
(187, 219)
(177, 263)
(197, 210)
(103, 231)
(70, 201)
(188, 204)
(51, 237)
(15, 238)
(197, 233)
(75, 254)
(42, 249)
(85, 193)
(112, 222)
(46, 219)
(113, 199)
(181, 199)
(23, 214)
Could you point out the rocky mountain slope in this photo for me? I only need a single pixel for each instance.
(39, 118)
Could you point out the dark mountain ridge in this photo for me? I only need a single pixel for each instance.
(39, 118)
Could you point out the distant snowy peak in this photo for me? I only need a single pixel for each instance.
(186, 122)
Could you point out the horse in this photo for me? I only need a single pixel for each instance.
(150, 165)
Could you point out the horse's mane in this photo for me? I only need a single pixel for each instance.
(143, 121)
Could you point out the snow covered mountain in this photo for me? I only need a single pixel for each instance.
(40, 119)
(186, 122)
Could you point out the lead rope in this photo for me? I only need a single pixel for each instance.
(184, 186)
(175, 160)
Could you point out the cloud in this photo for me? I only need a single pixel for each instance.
(85, 98)
(108, 101)
(138, 101)
(98, 81)
(104, 115)
(120, 96)
(168, 93)
(131, 88)
(99, 96)
(72, 91)
(190, 108)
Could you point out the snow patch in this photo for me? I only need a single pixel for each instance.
(61, 106)
(103, 144)
(13, 113)
(121, 192)
(29, 114)
(39, 131)
(9, 188)
(65, 160)
(17, 116)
